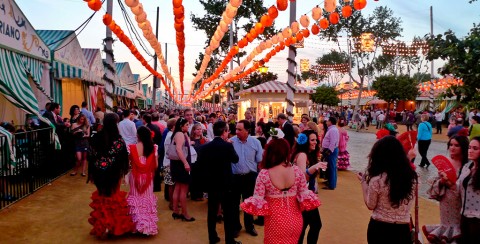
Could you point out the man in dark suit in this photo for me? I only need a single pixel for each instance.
(214, 159)
(287, 128)
(53, 114)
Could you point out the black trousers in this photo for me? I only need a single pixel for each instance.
(470, 230)
(439, 127)
(216, 198)
(311, 218)
(423, 146)
(243, 187)
(383, 232)
(196, 183)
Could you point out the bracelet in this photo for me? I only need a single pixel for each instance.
(308, 173)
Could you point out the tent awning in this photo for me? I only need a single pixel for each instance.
(376, 101)
(62, 70)
(274, 87)
(123, 92)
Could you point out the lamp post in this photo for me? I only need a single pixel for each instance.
(263, 69)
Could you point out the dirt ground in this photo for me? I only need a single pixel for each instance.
(58, 213)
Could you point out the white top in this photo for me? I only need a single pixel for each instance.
(438, 117)
(128, 131)
(168, 141)
(210, 134)
(381, 117)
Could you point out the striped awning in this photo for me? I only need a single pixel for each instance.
(149, 101)
(123, 92)
(14, 85)
(63, 70)
(274, 87)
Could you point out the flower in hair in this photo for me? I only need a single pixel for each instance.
(302, 139)
(276, 133)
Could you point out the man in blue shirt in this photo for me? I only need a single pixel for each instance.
(87, 113)
(250, 153)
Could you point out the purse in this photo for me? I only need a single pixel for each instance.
(172, 152)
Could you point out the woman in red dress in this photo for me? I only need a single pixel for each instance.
(108, 165)
(280, 195)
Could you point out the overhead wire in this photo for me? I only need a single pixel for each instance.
(131, 29)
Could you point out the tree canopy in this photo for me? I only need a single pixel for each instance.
(393, 88)
(259, 78)
(325, 95)
(462, 56)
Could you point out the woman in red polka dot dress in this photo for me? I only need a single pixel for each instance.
(280, 195)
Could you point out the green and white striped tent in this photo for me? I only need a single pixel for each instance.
(14, 71)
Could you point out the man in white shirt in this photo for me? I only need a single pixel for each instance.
(127, 128)
(212, 118)
(438, 121)
(380, 120)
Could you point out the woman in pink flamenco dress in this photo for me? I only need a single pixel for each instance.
(142, 201)
(448, 231)
(280, 195)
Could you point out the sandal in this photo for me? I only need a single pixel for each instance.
(83, 174)
(73, 174)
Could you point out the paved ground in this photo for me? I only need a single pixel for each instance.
(58, 213)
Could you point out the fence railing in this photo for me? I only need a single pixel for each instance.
(37, 163)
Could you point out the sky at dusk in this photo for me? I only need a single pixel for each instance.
(457, 15)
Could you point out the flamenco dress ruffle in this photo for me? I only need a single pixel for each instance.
(143, 210)
(110, 215)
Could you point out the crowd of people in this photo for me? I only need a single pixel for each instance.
(273, 166)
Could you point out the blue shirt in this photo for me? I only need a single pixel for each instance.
(89, 116)
(424, 131)
(249, 153)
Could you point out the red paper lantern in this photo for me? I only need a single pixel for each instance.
(95, 5)
(324, 23)
(347, 11)
(306, 33)
(258, 28)
(177, 3)
(299, 36)
(273, 12)
(315, 29)
(107, 19)
(334, 18)
(282, 5)
(359, 4)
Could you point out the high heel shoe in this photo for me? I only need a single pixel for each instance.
(177, 216)
(191, 219)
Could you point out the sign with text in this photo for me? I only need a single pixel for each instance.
(17, 34)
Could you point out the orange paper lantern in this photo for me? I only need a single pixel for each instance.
(273, 12)
(305, 33)
(317, 13)
(95, 5)
(359, 4)
(347, 11)
(177, 3)
(282, 5)
(334, 18)
(107, 19)
(315, 29)
(299, 36)
(324, 23)
(258, 28)
(264, 20)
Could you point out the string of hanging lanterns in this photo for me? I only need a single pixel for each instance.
(179, 13)
(117, 30)
(141, 17)
(440, 84)
(227, 17)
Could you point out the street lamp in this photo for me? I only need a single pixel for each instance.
(263, 69)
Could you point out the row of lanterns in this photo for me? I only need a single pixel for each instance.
(179, 13)
(117, 30)
(141, 17)
(227, 18)
(248, 38)
(440, 84)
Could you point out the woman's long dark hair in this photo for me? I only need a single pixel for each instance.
(463, 142)
(387, 156)
(107, 180)
(178, 126)
(476, 176)
(311, 156)
(276, 152)
(72, 110)
(145, 136)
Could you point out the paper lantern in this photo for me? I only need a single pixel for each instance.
(223, 26)
(306, 33)
(295, 27)
(231, 11)
(280, 37)
(347, 11)
(258, 28)
(275, 39)
(334, 18)
(131, 3)
(107, 19)
(315, 29)
(141, 17)
(359, 4)
(264, 20)
(304, 21)
(273, 12)
(177, 3)
(282, 5)
(330, 5)
(317, 13)
(324, 24)
(95, 5)
(178, 11)
(137, 9)
(236, 3)
(299, 36)
(287, 32)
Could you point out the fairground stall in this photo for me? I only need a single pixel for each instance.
(124, 86)
(267, 100)
(72, 78)
(96, 90)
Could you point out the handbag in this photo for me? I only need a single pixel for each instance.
(172, 152)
